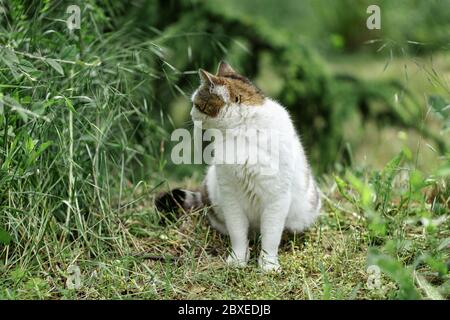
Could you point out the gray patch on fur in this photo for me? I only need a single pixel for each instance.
(192, 200)
(315, 201)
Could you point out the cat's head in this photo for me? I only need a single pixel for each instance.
(222, 97)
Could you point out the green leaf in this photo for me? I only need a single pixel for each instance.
(342, 187)
(70, 105)
(38, 152)
(10, 56)
(55, 65)
(441, 108)
(5, 238)
(11, 60)
(364, 189)
(438, 104)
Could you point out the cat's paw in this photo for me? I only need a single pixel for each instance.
(237, 261)
(269, 264)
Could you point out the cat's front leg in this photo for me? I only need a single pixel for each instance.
(273, 220)
(237, 225)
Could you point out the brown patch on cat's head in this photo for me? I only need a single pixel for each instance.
(226, 87)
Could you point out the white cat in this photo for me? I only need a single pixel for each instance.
(242, 197)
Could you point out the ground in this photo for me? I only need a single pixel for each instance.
(181, 257)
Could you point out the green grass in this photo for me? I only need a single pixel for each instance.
(83, 146)
(395, 219)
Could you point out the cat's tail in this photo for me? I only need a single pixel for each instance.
(187, 200)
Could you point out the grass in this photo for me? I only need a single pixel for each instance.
(403, 230)
(82, 155)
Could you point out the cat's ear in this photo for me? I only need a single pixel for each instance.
(224, 69)
(207, 77)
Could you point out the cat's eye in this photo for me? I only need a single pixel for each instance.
(237, 99)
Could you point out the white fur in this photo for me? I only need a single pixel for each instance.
(244, 199)
(222, 92)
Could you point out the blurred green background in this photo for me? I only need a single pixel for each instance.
(105, 97)
(86, 117)
(123, 82)
(356, 94)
